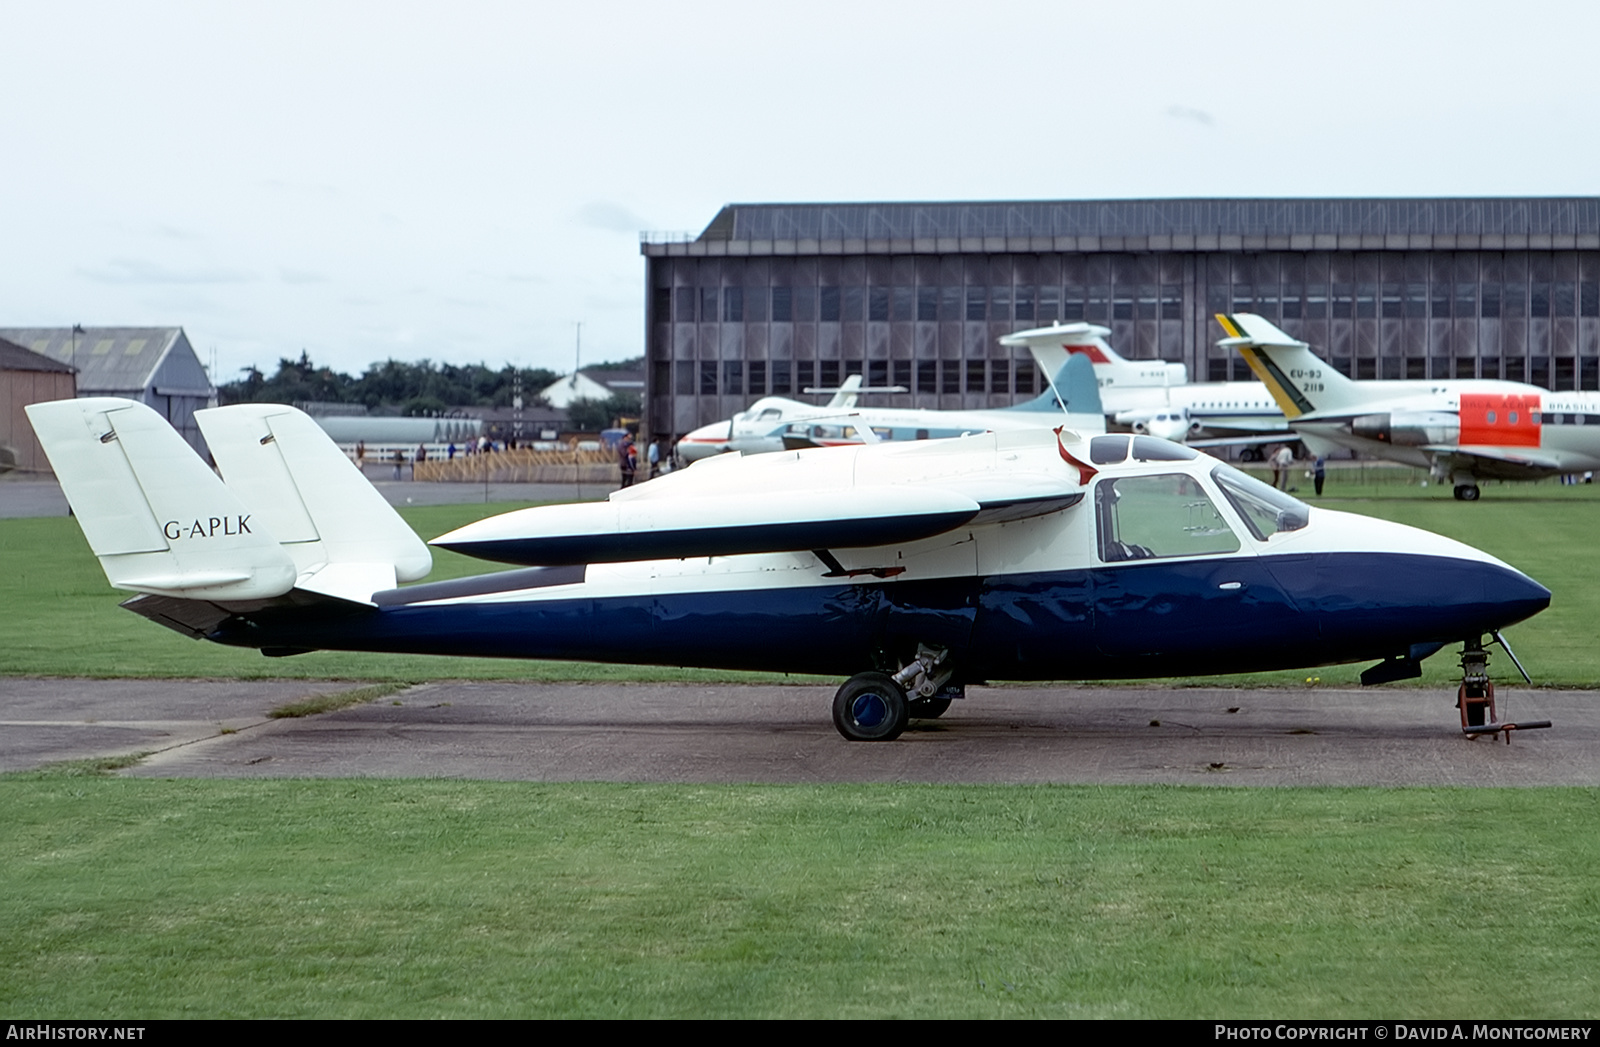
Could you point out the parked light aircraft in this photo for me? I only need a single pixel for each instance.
(913, 568)
(1156, 397)
(1461, 429)
(775, 423)
(716, 438)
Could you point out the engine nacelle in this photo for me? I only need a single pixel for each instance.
(1407, 428)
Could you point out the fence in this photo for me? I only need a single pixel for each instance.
(522, 466)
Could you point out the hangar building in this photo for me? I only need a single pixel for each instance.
(153, 365)
(772, 298)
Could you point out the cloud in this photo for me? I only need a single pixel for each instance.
(1183, 112)
(300, 276)
(611, 217)
(140, 271)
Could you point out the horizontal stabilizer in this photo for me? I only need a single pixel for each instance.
(720, 525)
(156, 516)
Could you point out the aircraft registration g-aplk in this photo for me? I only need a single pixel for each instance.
(913, 569)
(776, 423)
(1463, 429)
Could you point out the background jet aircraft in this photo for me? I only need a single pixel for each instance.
(1156, 397)
(1464, 429)
(774, 423)
(913, 568)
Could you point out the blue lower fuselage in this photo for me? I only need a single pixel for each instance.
(1192, 617)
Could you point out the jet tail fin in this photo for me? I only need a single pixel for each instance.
(1051, 346)
(1300, 381)
(345, 540)
(1074, 390)
(158, 519)
(848, 393)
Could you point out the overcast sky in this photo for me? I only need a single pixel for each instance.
(467, 182)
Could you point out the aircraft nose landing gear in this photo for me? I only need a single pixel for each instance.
(1475, 698)
(870, 707)
(874, 707)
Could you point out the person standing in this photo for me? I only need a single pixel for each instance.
(1319, 472)
(627, 459)
(1282, 461)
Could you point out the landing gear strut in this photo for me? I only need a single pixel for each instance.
(1475, 698)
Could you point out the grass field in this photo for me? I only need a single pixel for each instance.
(148, 899)
(137, 898)
(61, 618)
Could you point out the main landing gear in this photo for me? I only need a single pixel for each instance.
(1466, 492)
(875, 707)
(1475, 698)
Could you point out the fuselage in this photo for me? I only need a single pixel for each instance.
(774, 423)
(1511, 431)
(1213, 408)
(1170, 564)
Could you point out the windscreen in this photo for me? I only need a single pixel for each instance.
(1266, 510)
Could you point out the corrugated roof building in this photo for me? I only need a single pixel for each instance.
(153, 365)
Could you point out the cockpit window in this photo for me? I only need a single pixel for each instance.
(1265, 509)
(1150, 517)
(1152, 449)
(1108, 450)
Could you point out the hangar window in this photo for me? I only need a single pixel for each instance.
(830, 305)
(1152, 517)
(904, 304)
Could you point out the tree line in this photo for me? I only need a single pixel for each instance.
(423, 388)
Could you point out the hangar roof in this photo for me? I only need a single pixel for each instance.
(1240, 224)
(115, 359)
(14, 357)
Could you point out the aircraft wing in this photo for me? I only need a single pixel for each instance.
(1495, 463)
(765, 522)
(1277, 436)
(659, 529)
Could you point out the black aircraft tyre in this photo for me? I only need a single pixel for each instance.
(928, 708)
(1467, 492)
(870, 707)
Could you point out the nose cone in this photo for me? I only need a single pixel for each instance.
(1510, 596)
(1375, 586)
(705, 441)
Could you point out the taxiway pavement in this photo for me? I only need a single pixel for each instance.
(705, 733)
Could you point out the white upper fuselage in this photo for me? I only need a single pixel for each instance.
(1009, 465)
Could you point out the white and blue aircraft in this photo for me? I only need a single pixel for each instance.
(911, 568)
(775, 423)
